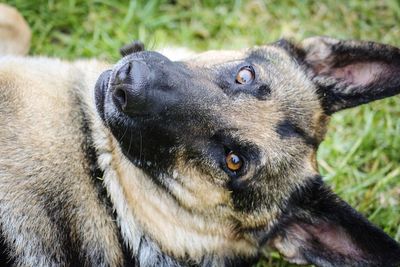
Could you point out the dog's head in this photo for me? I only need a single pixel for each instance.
(231, 137)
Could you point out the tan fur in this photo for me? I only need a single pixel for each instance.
(178, 231)
(44, 155)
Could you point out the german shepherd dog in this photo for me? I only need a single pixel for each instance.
(200, 162)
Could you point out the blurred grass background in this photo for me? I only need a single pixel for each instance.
(361, 154)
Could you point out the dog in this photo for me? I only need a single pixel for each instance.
(199, 162)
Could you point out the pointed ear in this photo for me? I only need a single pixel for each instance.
(319, 228)
(349, 73)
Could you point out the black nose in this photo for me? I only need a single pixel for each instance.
(129, 86)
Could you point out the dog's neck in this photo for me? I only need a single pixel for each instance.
(144, 209)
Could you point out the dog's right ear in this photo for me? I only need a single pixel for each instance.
(348, 73)
(319, 228)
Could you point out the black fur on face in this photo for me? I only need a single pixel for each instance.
(198, 114)
(180, 115)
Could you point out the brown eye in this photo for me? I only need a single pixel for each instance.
(233, 161)
(245, 75)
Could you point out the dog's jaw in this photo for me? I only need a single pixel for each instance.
(145, 210)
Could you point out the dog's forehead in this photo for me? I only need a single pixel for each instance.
(293, 96)
(217, 57)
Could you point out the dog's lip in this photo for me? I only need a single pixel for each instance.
(100, 91)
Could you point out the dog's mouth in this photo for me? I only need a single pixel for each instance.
(101, 92)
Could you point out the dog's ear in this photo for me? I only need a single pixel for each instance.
(348, 73)
(135, 46)
(319, 228)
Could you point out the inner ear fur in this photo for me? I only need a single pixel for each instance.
(319, 228)
(348, 73)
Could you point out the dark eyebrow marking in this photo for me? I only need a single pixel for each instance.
(263, 92)
(287, 129)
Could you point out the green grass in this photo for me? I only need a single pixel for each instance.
(361, 154)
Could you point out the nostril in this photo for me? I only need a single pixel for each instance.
(130, 87)
(120, 97)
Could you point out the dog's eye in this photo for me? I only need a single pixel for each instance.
(245, 75)
(233, 161)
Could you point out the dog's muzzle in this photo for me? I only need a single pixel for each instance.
(144, 83)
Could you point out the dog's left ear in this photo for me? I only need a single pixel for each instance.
(348, 73)
(319, 228)
(135, 46)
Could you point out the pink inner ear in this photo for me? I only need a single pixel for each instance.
(333, 238)
(360, 74)
(320, 236)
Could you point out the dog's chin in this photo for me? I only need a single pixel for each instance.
(101, 91)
